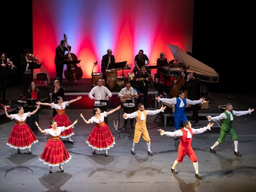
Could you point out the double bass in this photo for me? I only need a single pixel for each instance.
(73, 72)
(180, 81)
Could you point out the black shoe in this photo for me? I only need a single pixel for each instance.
(61, 168)
(174, 171)
(50, 171)
(198, 176)
(212, 151)
(94, 152)
(132, 152)
(150, 153)
(19, 152)
(106, 154)
(237, 153)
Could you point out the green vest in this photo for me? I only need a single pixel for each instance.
(226, 124)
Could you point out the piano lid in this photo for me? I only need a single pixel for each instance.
(194, 65)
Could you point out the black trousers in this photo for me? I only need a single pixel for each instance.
(27, 79)
(3, 85)
(59, 71)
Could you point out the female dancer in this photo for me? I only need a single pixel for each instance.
(55, 152)
(61, 118)
(21, 136)
(101, 137)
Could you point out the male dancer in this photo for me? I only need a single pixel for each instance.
(226, 126)
(180, 103)
(140, 126)
(185, 148)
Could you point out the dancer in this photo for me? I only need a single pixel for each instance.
(100, 137)
(185, 148)
(227, 118)
(21, 136)
(140, 125)
(55, 152)
(61, 118)
(180, 103)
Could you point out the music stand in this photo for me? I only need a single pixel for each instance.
(117, 65)
(128, 101)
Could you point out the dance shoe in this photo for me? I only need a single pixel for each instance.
(198, 176)
(50, 171)
(212, 151)
(18, 151)
(174, 171)
(61, 168)
(132, 152)
(94, 152)
(106, 154)
(29, 151)
(237, 153)
(150, 153)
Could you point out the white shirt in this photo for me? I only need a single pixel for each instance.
(55, 133)
(179, 133)
(125, 91)
(236, 113)
(18, 118)
(94, 120)
(99, 93)
(142, 117)
(57, 106)
(174, 101)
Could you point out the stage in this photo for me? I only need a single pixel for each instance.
(122, 171)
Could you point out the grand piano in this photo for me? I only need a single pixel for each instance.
(204, 72)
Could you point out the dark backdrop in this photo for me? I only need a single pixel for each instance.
(222, 38)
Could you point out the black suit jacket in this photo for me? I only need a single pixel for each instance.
(60, 54)
(104, 62)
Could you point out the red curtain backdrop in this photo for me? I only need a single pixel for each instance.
(93, 26)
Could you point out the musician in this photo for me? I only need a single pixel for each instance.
(98, 93)
(161, 62)
(192, 86)
(57, 91)
(5, 70)
(33, 96)
(127, 93)
(107, 59)
(140, 60)
(27, 69)
(60, 57)
(145, 78)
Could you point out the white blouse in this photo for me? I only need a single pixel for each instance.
(94, 120)
(18, 118)
(57, 106)
(55, 133)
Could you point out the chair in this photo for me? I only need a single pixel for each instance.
(41, 80)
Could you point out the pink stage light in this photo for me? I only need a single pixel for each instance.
(124, 26)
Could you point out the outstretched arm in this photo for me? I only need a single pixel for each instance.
(130, 115)
(71, 125)
(177, 133)
(6, 113)
(33, 112)
(87, 122)
(46, 104)
(42, 131)
(201, 130)
(74, 100)
(154, 112)
(113, 110)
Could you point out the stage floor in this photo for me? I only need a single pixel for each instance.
(122, 171)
